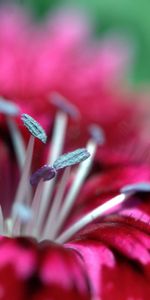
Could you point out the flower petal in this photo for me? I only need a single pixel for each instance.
(35, 271)
(117, 258)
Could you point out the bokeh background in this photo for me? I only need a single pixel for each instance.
(128, 18)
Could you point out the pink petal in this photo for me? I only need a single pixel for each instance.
(117, 258)
(38, 271)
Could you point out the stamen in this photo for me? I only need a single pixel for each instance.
(63, 161)
(11, 110)
(17, 141)
(136, 188)
(71, 158)
(34, 127)
(21, 191)
(97, 133)
(45, 172)
(36, 131)
(64, 105)
(65, 110)
(109, 206)
(54, 152)
(80, 176)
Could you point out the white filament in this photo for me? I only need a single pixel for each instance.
(18, 142)
(24, 181)
(93, 215)
(31, 229)
(49, 229)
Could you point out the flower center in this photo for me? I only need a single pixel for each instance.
(43, 215)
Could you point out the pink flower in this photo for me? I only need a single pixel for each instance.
(83, 249)
(84, 234)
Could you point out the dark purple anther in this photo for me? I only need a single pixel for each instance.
(45, 172)
(61, 103)
(97, 134)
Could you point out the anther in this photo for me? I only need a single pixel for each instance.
(97, 134)
(141, 187)
(64, 105)
(34, 127)
(46, 172)
(71, 158)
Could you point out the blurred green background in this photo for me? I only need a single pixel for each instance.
(126, 16)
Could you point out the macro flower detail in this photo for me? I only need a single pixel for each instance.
(62, 250)
(74, 211)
